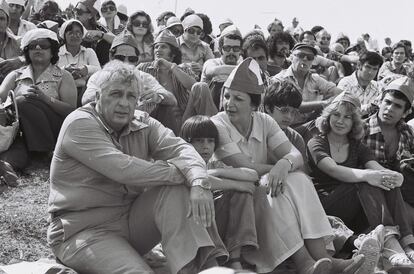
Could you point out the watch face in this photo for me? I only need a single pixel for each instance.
(205, 184)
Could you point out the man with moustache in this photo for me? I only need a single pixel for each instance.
(316, 91)
(279, 49)
(390, 138)
(216, 71)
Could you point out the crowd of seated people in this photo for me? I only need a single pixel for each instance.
(239, 151)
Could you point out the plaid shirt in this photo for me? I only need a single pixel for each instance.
(376, 142)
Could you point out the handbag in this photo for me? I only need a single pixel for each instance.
(9, 131)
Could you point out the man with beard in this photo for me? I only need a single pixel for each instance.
(279, 49)
(216, 71)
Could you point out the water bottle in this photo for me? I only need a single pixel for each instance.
(3, 116)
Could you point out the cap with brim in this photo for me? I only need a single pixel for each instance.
(49, 24)
(305, 46)
(67, 24)
(173, 21)
(405, 85)
(246, 77)
(166, 36)
(347, 96)
(17, 2)
(231, 30)
(122, 9)
(192, 21)
(36, 34)
(124, 39)
(227, 21)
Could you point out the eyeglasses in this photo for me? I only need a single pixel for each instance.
(234, 48)
(287, 110)
(138, 23)
(176, 31)
(108, 8)
(194, 31)
(81, 12)
(43, 44)
(131, 59)
(302, 55)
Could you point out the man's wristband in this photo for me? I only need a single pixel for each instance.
(205, 184)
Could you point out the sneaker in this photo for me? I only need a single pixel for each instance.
(370, 246)
(7, 174)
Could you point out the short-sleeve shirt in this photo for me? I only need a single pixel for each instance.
(315, 87)
(266, 135)
(359, 154)
(201, 53)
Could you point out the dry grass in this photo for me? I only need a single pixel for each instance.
(23, 217)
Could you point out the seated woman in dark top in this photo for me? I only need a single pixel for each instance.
(349, 181)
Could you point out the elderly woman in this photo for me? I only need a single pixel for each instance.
(110, 18)
(98, 37)
(79, 61)
(346, 190)
(192, 98)
(140, 27)
(397, 65)
(248, 138)
(45, 93)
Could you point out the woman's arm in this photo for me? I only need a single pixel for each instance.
(229, 184)
(241, 173)
(9, 83)
(287, 151)
(67, 95)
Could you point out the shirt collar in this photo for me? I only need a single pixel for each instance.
(49, 73)
(134, 125)
(63, 50)
(255, 132)
(374, 127)
(182, 41)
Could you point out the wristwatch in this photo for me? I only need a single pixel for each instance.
(205, 184)
(290, 162)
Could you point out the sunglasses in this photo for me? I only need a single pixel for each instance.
(194, 31)
(131, 59)
(234, 48)
(138, 23)
(302, 56)
(40, 44)
(286, 110)
(81, 12)
(108, 8)
(176, 31)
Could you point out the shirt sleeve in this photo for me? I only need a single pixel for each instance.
(275, 135)
(86, 141)
(325, 87)
(227, 146)
(93, 64)
(318, 149)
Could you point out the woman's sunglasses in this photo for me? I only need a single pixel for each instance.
(40, 44)
(108, 8)
(138, 23)
(131, 59)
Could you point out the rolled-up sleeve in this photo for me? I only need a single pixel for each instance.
(85, 141)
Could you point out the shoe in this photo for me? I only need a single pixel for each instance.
(409, 252)
(378, 233)
(7, 174)
(371, 249)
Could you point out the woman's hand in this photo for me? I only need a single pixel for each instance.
(34, 92)
(277, 177)
(385, 179)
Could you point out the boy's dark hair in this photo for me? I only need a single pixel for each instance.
(282, 94)
(372, 58)
(399, 95)
(308, 32)
(283, 36)
(199, 126)
(254, 42)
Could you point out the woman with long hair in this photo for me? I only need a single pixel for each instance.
(140, 27)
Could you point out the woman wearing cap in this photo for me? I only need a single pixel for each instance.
(140, 27)
(248, 138)
(81, 62)
(45, 93)
(192, 98)
(109, 18)
(195, 51)
(9, 47)
(18, 25)
(346, 190)
(174, 26)
(98, 37)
